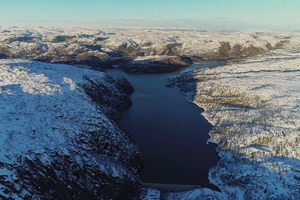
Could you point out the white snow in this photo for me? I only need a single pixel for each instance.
(41, 43)
(254, 108)
(44, 109)
(253, 105)
(38, 107)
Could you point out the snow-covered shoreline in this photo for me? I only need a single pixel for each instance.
(254, 108)
(57, 140)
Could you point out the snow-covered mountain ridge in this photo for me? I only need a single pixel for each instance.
(56, 142)
(137, 48)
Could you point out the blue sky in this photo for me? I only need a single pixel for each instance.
(201, 14)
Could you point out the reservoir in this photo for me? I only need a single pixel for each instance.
(170, 131)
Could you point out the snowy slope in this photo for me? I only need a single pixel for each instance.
(55, 141)
(254, 108)
(101, 48)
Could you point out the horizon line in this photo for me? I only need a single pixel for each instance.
(154, 23)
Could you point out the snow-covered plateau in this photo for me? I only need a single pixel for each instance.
(59, 134)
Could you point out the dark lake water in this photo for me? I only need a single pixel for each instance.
(170, 131)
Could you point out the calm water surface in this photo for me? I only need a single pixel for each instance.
(170, 131)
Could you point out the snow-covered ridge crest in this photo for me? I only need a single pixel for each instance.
(54, 137)
(109, 47)
(29, 82)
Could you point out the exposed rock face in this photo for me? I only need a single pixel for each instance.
(226, 51)
(113, 102)
(254, 108)
(58, 136)
(155, 64)
(156, 48)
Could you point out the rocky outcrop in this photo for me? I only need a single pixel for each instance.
(155, 64)
(102, 93)
(59, 134)
(238, 51)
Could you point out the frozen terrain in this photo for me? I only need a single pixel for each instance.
(58, 139)
(135, 50)
(58, 121)
(254, 107)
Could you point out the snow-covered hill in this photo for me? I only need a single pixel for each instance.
(57, 135)
(144, 50)
(254, 108)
